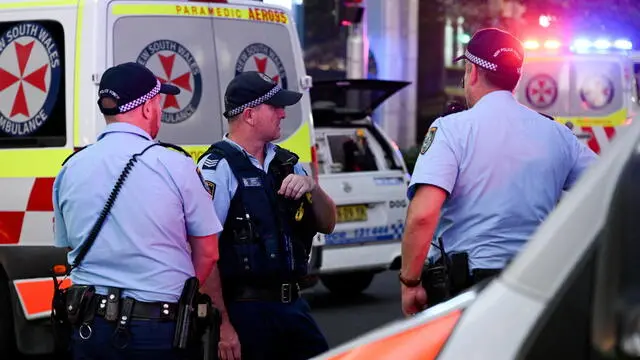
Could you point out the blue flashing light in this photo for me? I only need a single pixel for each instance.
(583, 45)
(623, 44)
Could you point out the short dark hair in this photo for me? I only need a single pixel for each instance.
(500, 81)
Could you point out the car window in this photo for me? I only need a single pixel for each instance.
(351, 153)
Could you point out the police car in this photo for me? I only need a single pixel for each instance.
(363, 171)
(52, 55)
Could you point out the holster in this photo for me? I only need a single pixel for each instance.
(71, 307)
(60, 325)
(209, 320)
(78, 301)
(185, 321)
(446, 278)
(198, 322)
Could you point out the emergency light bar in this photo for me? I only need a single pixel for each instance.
(581, 45)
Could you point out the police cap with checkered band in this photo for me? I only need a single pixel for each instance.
(495, 50)
(251, 88)
(129, 85)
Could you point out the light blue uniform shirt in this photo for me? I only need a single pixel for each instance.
(504, 167)
(220, 174)
(142, 246)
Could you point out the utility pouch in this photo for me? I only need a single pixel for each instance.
(435, 280)
(459, 272)
(78, 302)
(113, 304)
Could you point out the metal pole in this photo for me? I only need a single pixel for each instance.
(358, 49)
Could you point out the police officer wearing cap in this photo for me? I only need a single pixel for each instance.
(271, 209)
(159, 232)
(485, 177)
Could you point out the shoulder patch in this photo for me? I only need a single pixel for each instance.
(204, 183)
(211, 187)
(428, 139)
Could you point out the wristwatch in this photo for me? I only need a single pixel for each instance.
(408, 282)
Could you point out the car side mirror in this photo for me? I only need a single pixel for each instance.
(616, 307)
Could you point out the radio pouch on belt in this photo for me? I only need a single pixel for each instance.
(69, 305)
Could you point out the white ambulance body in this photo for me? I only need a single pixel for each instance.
(52, 55)
(593, 90)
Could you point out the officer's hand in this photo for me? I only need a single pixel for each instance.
(229, 345)
(414, 299)
(294, 186)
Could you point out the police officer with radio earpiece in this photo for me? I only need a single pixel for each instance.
(271, 209)
(137, 218)
(485, 178)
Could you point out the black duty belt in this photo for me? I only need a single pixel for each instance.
(142, 310)
(284, 293)
(478, 275)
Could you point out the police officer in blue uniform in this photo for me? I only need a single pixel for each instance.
(159, 232)
(270, 209)
(485, 177)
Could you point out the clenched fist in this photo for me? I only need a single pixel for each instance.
(294, 186)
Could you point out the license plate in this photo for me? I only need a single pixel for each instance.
(352, 213)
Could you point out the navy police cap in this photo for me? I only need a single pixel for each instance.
(251, 88)
(495, 50)
(130, 85)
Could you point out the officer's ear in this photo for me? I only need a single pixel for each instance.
(474, 74)
(250, 116)
(148, 109)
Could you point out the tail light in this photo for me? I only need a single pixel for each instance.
(314, 163)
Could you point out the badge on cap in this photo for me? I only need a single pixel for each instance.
(266, 78)
(428, 139)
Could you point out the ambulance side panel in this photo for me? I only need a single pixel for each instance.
(180, 51)
(261, 48)
(37, 106)
(545, 85)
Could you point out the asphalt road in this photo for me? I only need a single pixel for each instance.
(344, 319)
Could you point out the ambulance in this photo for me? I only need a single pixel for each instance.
(572, 293)
(52, 55)
(588, 84)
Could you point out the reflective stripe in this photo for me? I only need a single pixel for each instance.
(599, 137)
(617, 118)
(423, 342)
(10, 226)
(299, 142)
(29, 163)
(35, 296)
(28, 4)
(76, 74)
(253, 13)
(41, 195)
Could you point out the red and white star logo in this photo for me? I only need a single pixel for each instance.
(261, 66)
(36, 79)
(182, 81)
(542, 91)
